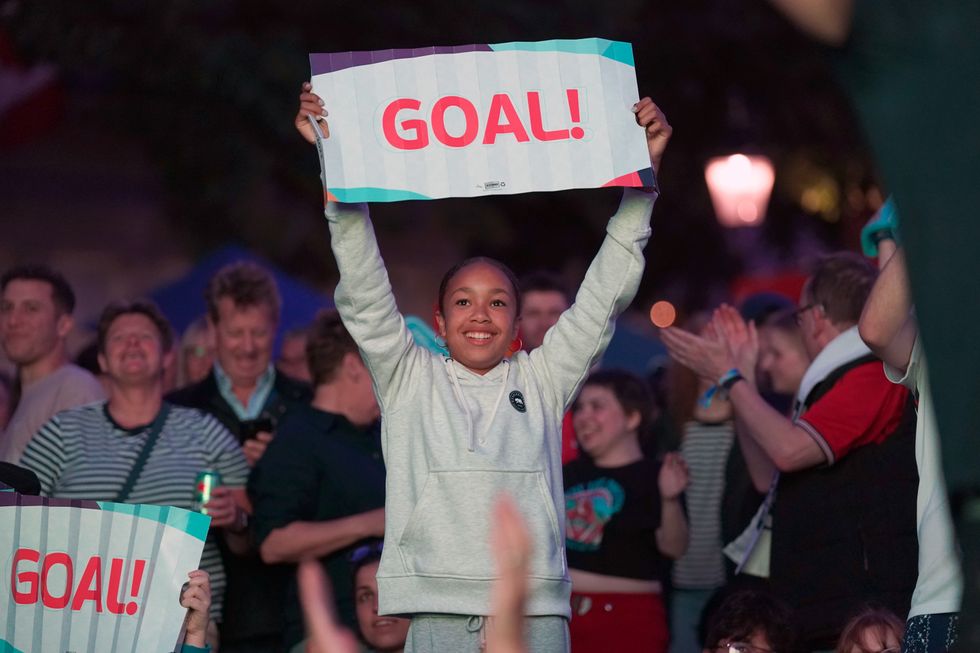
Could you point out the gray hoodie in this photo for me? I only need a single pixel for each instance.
(454, 440)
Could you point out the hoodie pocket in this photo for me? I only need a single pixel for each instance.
(449, 529)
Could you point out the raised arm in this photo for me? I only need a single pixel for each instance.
(363, 297)
(888, 324)
(366, 303)
(583, 332)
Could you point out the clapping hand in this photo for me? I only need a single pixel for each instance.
(673, 477)
(741, 338)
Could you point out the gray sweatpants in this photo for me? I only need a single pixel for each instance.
(451, 633)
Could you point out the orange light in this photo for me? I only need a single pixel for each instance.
(663, 314)
(740, 187)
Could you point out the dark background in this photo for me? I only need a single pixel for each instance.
(205, 92)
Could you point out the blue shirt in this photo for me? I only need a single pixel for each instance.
(263, 386)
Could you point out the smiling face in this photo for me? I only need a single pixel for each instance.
(604, 429)
(383, 634)
(31, 325)
(479, 317)
(133, 351)
(243, 338)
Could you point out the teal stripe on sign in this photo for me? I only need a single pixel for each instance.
(124, 508)
(156, 513)
(7, 647)
(193, 523)
(620, 51)
(369, 194)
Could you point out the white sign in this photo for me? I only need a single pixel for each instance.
(93, 576)
(475, 120)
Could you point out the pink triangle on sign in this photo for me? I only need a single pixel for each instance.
(631, 179)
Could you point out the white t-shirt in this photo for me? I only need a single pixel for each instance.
(939, 588)
(69, 386)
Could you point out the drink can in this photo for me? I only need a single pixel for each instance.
(203, 488)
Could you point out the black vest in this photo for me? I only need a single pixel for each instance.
(845, 535)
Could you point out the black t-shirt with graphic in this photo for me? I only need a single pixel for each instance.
(611, 518)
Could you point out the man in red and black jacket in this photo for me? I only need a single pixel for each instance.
(843, 503)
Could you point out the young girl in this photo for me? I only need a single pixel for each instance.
(459, 430)
(623, 520)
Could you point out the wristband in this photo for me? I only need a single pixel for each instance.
(726, 381)
(730, 379)
(880, 235)
(728, 376)
(883, 225)
(190, 648)
(724, 384)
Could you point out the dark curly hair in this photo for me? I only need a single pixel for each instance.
(748, 612)
(246, 284)
(632, 393)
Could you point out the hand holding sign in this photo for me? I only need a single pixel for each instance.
(97, 576)
(468, 120)
(310, 106)
(196, 597)
(658, 130)
(648, 115)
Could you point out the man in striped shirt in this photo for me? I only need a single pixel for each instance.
(88, 452)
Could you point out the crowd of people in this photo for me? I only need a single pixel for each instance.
(777, 490)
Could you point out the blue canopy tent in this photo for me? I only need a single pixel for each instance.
(633, 351)
(183, 300)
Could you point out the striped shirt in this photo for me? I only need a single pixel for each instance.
(705, 448)
(82, 453)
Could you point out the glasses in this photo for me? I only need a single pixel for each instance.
(798, 313)
(741, 647)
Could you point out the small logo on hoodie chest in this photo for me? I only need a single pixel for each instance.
(517, 401)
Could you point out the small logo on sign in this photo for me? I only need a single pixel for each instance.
(517, 401)
(494, 185)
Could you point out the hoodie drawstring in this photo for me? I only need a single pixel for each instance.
(458, 391)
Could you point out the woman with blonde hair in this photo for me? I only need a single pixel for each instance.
(874, 630)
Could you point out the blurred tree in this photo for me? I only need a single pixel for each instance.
(210, 85)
